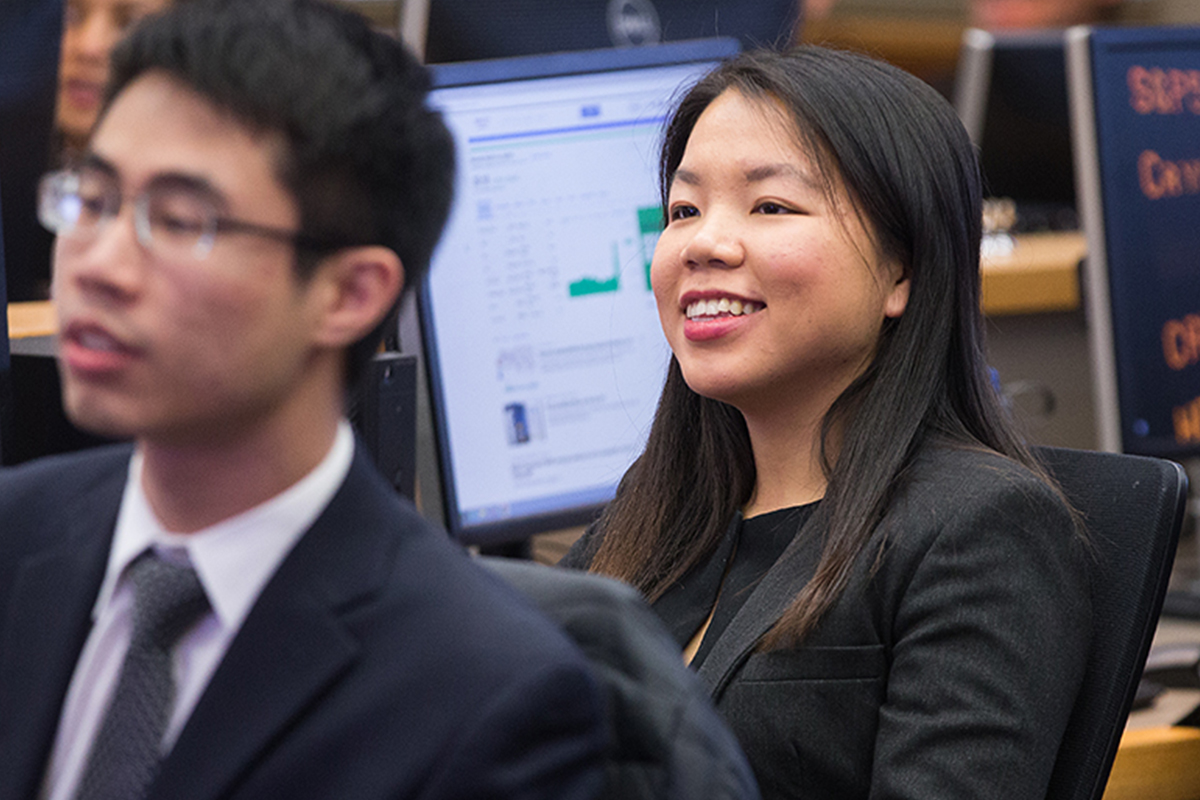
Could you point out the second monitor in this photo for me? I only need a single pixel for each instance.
(1011, 93)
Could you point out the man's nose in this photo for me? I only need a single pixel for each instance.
(110, 261)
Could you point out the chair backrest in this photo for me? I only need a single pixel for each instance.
(667, 742)
(1133, 509)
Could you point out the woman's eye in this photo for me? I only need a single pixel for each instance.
(683, 212)
(770, 207)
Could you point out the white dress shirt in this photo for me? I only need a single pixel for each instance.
(234, 560)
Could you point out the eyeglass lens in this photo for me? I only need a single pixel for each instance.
(170, 219)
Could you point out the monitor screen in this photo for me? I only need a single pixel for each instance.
(462, 30)
(542, 340)
(1136, 105)
(1011, 93)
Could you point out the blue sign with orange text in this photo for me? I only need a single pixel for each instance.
(1146, 86)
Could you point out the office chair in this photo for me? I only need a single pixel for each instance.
(1133, 509)
(667, 741)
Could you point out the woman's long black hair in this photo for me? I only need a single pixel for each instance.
(912, 174)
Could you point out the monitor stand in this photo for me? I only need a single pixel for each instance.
(386, 418)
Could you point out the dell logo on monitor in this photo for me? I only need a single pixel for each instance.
(633, 22)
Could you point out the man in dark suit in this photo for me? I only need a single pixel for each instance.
(262, 181)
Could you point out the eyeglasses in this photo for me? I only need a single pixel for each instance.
(173, 217)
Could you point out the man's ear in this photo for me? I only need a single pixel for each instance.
(355, 288)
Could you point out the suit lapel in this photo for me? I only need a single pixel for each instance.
(50, 614)
(288, 651)
(764, 606)
(293, 645)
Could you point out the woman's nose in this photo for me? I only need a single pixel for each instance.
(715, 242)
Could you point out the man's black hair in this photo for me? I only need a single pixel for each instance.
(365, 158)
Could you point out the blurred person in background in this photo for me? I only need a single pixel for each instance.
(90, 30)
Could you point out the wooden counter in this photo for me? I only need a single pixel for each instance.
(1156, 764)
(1039, 275)
(31, 319)
(32, 328)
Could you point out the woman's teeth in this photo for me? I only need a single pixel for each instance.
(720, 308)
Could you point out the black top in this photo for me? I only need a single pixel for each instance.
(761, 540)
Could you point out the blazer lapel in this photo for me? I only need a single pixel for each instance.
(50, 614)
(292, 646)
(764, 606)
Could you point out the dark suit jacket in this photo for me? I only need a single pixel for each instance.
(378, 661)
(949, 672)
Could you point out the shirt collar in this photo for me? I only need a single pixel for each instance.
(235, 557)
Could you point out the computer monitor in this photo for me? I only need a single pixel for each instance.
(1135, 96)
(1011, 94)
(541, 336)
(463, 30)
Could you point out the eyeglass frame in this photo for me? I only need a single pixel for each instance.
(50, 186)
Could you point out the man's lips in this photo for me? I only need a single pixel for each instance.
(91, 349)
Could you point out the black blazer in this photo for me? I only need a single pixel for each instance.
(378, 661)
(948, 672)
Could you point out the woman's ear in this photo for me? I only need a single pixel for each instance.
(897, 298)
(358, 287)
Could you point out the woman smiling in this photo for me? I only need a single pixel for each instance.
(885, 592)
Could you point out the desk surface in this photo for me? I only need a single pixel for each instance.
(1039, 275)
(30, 319)
(32, 328)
